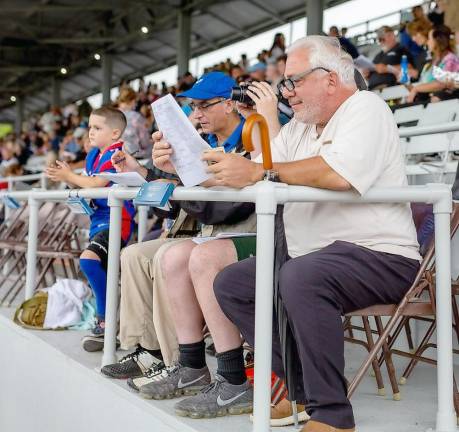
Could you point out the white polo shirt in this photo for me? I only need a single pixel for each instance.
(361, 143)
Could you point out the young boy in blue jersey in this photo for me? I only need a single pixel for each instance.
(106, 125)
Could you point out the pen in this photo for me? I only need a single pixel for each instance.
(130, 154)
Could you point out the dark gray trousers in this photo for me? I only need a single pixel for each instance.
(317, 289)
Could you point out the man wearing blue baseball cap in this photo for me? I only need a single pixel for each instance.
(187, 276)
(179, 272)
(215, 111)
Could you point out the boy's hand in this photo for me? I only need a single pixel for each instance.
(124, 162)
(161, 153)
(60, 172)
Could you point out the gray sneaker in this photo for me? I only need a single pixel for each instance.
(147, 377)
(218, 399)
(175, 381)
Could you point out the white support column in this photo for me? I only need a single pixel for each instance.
(266, 210)
(183, 37)
(56, 92)
(142, 223)
(32, 241)
(19, 115)
(107, 67)
(113, 271)
(43, 181)
(446, 415)
(315, 16)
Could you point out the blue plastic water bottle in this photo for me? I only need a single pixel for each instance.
(404, 79)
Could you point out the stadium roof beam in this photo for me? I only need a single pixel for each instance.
(237, 29)
(272, 13)
(78, 40)
(22, 69)
(92, 7)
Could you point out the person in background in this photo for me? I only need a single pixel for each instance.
(136, 136)
(346, 44)
(405, 35)
(281, 64)
(278, 46)
(387, 61)
(272, 73)
(440, 46)
(452, 19)
(257, 72)
(419, 33)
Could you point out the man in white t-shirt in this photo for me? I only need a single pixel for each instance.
(343, 257)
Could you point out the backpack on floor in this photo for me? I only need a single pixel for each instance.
(31, 313)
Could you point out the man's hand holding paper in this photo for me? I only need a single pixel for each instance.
(161, 153)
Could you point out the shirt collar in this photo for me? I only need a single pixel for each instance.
(232, 141)
(118, 145)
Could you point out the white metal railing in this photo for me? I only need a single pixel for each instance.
(267, 195)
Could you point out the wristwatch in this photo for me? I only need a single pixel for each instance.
(271, 175)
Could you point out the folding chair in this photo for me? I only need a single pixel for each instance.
(415, 304)
(57, 233)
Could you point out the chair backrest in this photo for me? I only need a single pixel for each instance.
(394, 92)
(408, 114)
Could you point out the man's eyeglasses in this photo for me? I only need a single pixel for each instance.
(289, 83)
(204, 106)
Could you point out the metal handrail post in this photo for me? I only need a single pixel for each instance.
(446, 416)
(32, 241)
(43, 182)
(266, 205)
(142, 224)
(113, 270)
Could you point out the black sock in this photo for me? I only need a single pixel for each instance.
(193, 355)
(230, 365)
(155, 353)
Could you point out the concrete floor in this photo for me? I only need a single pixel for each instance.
(414, 413)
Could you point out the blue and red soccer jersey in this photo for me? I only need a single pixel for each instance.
(97, 162)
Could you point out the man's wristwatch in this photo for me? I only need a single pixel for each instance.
(271, 175)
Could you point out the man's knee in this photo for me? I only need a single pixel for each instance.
(130, 253)
(175, 258)
(211, 257)
(301, 278)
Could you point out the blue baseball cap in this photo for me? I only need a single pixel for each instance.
(260, 66)
(210, 85)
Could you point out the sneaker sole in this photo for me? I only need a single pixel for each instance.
(236, 410)
(189, 391)
(94, 345)
(90, 345)
(287, 421)
(132, 386)
(117, 376)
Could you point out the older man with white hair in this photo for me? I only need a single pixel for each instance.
(342, 257)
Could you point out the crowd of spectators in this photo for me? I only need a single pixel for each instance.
(426, 40)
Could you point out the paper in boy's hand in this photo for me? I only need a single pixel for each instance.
(215, 149)
(186, 143)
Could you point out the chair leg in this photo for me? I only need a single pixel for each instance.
(388, 359)
(392, 338)
(376, 368)
(456, 397)
(456, 317)
(409, 337)
(418, 352)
